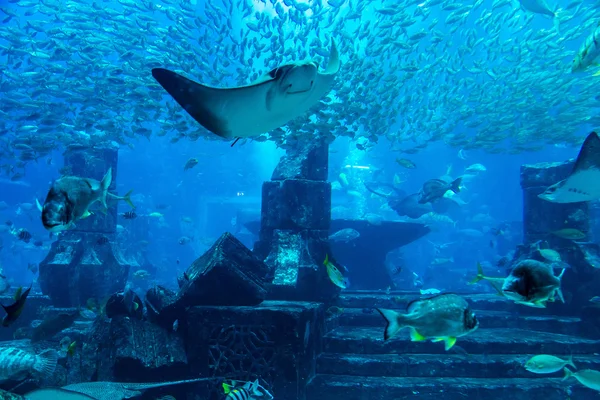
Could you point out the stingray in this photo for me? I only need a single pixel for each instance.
(583, 184)
(102, 390)
(285, 93)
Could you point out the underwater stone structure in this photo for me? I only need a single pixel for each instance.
(541, 218)
(295, 220)
(86, 262)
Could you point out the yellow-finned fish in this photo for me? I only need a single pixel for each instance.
(546, 364)
(246, 392)
(440, 318)
(588, 52)
(335, 274)
(587, 377)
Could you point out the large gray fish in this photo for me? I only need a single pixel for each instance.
(70, 198)
(285, 93)
(441, 318)
(583, 184)
(532, 283)
(18, 364)
(435, 189)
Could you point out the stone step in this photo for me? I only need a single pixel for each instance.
(487, 319)
(365, 340)
(440, 365)
(327, 387)
(399, 300)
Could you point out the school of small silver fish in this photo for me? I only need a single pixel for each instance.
(496, 75)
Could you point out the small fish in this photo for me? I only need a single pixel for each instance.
(71, 348)
(191, 163)
(24, 235)
(475, 168)
(102, 240)
(406, 163)
(595, 299)
(587, 377)
(435, 189)
(38, 243)
(14, 310)
(335, 275)
(344, 235)
(442, 261)
(141, 274)
(175, 325)
(129, 215)
(334, 310)
(569, 234)
(184, 240)
(155, 215)
(546, 364)
(550, 255)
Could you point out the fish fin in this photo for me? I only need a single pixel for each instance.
(104, 185)
(127, 199)
(456, 185)
(449, 343)
(135, 306)
(597, 73)
(255, 391)
(226, 388)
(45, 362)
(479, 276)
(570, 361)
(560, 295)
(393, 322)
(416, 336)
(568, 373)
(86, 214)
(326, 260)
(37, 203)
(18, 293)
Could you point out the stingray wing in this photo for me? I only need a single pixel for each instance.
(589, 155)
(228, 113)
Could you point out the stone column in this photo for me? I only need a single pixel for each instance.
(86, 262)
(540, 218)
(295, 221)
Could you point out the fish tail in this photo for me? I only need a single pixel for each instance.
(570, 361)
(395, 322)
(45, 362)
(326, 260)
(456, 185)
(104, 185)
(127, 199)
(568, 373)
(479, 276)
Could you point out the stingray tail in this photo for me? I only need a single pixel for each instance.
(385, 196)
(45, 363)
(104, 185)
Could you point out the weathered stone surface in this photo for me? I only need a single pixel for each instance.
(325, 387)
(227, 274)
(540, 217)
(119, 305)
(275, 341)
(93, 163)
(365, 256)
(297, 262)
(295, 205)
(129, 350)
(161, 305)
(308, 160)
(21, 327)
(367, 340)
(449, 365)
(77, 269)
